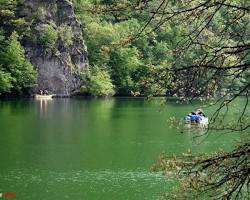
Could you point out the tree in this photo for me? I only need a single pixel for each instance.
(124, 62)
(215, 51)
(218, 176)
(9, 21)
(5, 77)
(16, 69)
(17, 75)
(100, 84)
(5, 81)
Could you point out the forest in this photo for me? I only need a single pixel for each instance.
(131, 50)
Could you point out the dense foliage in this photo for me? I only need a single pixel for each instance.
(138, 39)
(132, 65)
(99, 83)
(17, 75)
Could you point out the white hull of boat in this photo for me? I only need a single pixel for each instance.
(204, 120)
(38, 96)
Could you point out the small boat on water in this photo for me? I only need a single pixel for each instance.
(201, 120)
(47, 97)
(201, 124)
(196, 117)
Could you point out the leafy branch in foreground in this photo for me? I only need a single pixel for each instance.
(211, 60)
(219, 176)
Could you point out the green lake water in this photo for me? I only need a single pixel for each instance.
(92, 149)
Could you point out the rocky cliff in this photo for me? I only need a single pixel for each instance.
(54, 45)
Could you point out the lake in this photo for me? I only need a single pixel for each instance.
(92, 149)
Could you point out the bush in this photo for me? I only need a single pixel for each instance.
(47, 36)
(66, 35)
(100, 83)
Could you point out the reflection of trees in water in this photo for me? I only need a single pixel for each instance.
(197, 131)
(16, 106)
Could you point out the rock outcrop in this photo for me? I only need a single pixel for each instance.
(59, 54)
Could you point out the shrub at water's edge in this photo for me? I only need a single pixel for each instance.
(99, 83)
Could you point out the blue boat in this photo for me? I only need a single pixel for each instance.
(196, 117)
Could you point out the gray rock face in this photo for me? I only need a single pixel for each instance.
(59, 68)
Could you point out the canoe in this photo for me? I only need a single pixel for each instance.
(38, 96)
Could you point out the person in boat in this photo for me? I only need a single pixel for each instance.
(193, 117)
(46, 92)
(200, 112)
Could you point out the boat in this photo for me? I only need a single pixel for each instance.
(45, 97)
(204, 120)
(200, 120)
(200, 124)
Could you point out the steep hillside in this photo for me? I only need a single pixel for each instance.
(54, 45)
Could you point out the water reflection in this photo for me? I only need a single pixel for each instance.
(43, 104)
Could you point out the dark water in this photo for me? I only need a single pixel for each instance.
(91, 149)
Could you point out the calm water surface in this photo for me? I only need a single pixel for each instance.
(91, 149)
